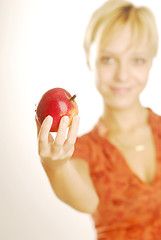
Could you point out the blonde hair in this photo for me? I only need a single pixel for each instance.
(113, 15)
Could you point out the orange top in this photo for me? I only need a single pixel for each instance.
(129, 208)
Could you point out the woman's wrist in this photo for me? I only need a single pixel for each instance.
(54, 165)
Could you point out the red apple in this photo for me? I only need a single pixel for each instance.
(56, 102)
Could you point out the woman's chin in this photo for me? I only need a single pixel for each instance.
(120, 105)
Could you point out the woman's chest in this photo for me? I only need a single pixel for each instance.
(121, 186)
(142, 163)
(138, 152)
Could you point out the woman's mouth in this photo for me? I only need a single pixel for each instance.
(120, 90)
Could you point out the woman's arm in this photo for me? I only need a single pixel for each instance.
(72, 184)
(69, 178)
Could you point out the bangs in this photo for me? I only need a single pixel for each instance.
(139, 33)
(143, 29)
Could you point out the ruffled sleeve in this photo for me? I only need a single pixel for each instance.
(85, 149)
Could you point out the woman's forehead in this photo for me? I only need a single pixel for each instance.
(125, 40)
(141, 50)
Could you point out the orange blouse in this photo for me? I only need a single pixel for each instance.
(129, 208)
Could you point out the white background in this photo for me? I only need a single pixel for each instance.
(41, 48)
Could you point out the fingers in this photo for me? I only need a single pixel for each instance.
(44, 134)
(45, 128)
(61, 141)
(61, 134)
(73, 131)
(71, 137)
(63, 146)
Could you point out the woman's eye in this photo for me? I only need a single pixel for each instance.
(139, 61)
(108, 60)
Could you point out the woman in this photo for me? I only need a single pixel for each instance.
(114, 171)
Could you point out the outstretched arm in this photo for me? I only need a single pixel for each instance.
(70, 179)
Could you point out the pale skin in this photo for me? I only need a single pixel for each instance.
(68, 177)
(121, 73)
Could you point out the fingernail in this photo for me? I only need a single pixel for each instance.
(49, 118)
(65, 119)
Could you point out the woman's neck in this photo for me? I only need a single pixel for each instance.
(121, 120)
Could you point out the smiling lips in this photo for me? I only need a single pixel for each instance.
(120, 90)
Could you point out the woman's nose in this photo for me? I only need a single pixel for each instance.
(122, 72)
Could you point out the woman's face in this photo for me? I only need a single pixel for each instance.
(122, 69)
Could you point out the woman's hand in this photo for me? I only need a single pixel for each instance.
(55, 152)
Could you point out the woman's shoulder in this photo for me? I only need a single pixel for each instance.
(92, 137)
(89, 145)
(87, 140)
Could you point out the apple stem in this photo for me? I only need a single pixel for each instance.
(72, 98)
